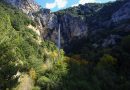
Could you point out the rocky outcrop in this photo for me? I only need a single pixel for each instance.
(27, 6)
(71, 27)
(45, 20)
(122, 14)
(111, 40)
(48, 19)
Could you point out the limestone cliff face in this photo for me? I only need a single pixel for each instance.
(27, 6)
(48, 19)
(71, 27)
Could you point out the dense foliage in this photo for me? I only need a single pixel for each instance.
(21, 51)
(104, 67)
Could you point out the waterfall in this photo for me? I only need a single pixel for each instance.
(59, 42)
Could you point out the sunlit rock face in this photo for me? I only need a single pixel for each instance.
(27, 6)
(45, 20)
(48, 19)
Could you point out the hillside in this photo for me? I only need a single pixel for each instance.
(95, 39)
(22, 53)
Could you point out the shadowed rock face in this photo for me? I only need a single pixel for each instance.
(71, 27)
(122, 14)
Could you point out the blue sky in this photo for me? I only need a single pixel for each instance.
(55, 5)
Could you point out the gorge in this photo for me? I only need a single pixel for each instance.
(94, 39)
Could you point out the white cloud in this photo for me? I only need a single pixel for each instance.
(50, 5)
(84, 1)
(57, 3)
(75, 5)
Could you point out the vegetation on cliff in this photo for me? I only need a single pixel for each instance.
(21, 53)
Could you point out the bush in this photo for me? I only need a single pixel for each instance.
(107, 62)
(36, 88)
(126, 43)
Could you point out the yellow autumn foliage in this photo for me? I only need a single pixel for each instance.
(76, 59)
(32, 73)
(54, 54)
